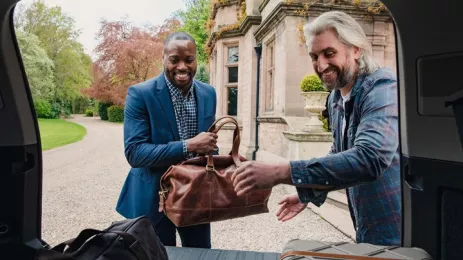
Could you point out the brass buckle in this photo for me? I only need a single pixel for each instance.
(210, 168)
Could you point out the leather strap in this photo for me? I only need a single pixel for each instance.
(215, 127)
(331, 256)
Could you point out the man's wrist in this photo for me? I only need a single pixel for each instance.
(189, 149)
(284, 174)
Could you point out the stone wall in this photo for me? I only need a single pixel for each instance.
(279, 25)
(225, 15)
(267, 6)
(271, 138)
(225, 140)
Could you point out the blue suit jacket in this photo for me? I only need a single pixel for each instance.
(152, 142)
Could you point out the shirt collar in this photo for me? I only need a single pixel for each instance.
(176, 91)
(337, 98)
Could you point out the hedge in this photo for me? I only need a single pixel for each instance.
(115, 114)
(103, 110)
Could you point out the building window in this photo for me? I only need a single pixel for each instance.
(270, 77)
(231, 80)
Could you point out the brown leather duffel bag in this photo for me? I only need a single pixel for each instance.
(200, 190)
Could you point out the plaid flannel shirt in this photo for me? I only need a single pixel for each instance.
(366, 161)
(185, 114)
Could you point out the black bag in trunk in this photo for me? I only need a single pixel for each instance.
(131, 239)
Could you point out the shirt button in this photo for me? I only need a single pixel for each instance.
(327, 182)
(299, 180)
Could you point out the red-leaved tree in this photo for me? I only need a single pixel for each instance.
(126, 55)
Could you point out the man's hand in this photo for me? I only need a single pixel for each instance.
(203, 143)
(290, 207)
(253, 175)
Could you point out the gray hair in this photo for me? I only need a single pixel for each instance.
(349, 32)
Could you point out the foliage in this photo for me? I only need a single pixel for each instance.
(325, 123)
(80, 105)
(56, 65)
(39, 68)
(161, 32)
(42, 108)
(58, 132)
(103, 110)
(116, 114)
(241, 16)
(202, 73)
(311, 83)
(89, 112)
(72, 73)
(194, 22)
(54, 28)
(56, 110)
(127, 55)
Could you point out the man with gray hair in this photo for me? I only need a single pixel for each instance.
(364, 158)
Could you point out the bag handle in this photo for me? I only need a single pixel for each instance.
(129, 241)
(331, 256)
(215, 127)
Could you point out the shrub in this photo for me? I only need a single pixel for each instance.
(115, 114)
(67, 110)
(103, 110)
(89, 112)
(311, 83)
(42, 109)
(55, 110)
(325, 123)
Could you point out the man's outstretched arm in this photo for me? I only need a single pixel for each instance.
(375, 145)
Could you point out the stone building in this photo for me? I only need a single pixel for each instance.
(237, 27)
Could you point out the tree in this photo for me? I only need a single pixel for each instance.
(127, 55)
(39, 67)
(72, 72)
(57, 35)
(169, 26)
(55, 29)
(194, 20)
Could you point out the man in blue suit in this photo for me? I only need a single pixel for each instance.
(166, 122)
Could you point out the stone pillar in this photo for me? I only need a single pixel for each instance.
(297, 66)
(247, 92)
(219, 78)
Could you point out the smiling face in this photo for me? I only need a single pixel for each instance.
(334, 62)
(180, 63)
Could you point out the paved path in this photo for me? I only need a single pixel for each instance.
(82, 182)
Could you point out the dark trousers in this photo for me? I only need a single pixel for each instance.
(193, 236)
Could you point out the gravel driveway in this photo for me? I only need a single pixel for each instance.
(82, 182)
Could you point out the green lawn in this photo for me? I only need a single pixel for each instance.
(58, 132)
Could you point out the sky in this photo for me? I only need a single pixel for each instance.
(88, 13)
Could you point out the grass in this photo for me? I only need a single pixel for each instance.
(58, 132)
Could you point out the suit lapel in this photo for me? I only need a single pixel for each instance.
(200, 107)
(166, 102)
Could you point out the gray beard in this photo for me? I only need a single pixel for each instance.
(342, 80)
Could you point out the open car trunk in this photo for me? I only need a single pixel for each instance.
(429, 41)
